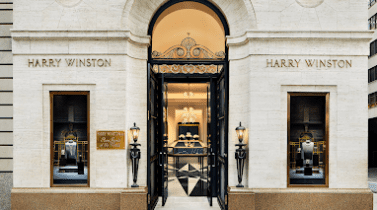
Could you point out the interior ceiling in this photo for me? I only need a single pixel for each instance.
(188, 19)
(176, 92)
(187, 87)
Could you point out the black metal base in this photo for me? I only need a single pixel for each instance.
(80, 167)
(62, 162)
(315, 160)
(134, 185)
(308, 171)
(240, 185)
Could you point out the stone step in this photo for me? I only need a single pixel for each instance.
(187, 203)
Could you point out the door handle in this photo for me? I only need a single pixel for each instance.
(160, 159)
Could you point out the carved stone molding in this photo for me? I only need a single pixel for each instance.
(187, 69)
(188, 49)
(68, 3)
(309, 3)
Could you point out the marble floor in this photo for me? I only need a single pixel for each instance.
(187, 186)
(187, 177)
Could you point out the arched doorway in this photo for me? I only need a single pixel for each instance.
(188, 51)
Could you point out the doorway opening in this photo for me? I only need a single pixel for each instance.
(187, 116)
(188, 90)
(187, 140)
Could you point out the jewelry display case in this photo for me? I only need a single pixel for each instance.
(188, 141)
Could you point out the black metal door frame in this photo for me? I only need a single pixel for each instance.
(163, 139)
(152, 139)
(222, 104)
(217, 160)
(194, 77)
(211, 141)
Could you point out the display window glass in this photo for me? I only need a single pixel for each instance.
(308, 139)
(69, 138)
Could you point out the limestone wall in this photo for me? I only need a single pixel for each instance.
(259, 31)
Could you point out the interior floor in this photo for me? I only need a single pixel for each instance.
(188, 177)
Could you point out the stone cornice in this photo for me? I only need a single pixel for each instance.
(79, 34)
(271, 34)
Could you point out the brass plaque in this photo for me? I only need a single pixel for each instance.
(110, 140)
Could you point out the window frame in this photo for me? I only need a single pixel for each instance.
(52, 94)
(372, 22)
(326, 137)
(372, 100)
(369, 77)
(372, 75)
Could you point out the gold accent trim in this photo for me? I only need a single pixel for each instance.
(189, 49)
(52, 94)
(187, 69)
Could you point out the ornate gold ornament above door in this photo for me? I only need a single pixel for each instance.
(189, 49)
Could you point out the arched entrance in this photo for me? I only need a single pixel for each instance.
(188, 51)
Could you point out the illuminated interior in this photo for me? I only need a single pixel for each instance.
(187, 109)
(188, 19)
(187, 102)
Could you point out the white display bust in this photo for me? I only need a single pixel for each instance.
(307, 150)
(71, 149)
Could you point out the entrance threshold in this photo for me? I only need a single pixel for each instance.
(187, 203)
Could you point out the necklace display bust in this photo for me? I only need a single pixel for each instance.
(71, 149)
(307, 150)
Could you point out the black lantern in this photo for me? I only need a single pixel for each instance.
(240, 153)
(135, 153)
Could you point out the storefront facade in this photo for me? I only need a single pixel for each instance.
(295, 72)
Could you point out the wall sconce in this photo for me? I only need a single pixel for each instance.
(135, 153)
(240, 153)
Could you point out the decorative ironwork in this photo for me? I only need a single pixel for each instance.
(187, 69)
(188, 49)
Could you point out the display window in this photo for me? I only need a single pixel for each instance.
(308, 119)
(69, 138)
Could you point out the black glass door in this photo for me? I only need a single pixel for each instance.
(222, 139)
(152, 139)
(164, 140)
(211, 143)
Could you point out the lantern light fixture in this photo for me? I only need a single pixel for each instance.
(240, 132)
(135, 153)
(240, 153)
(135, 132)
